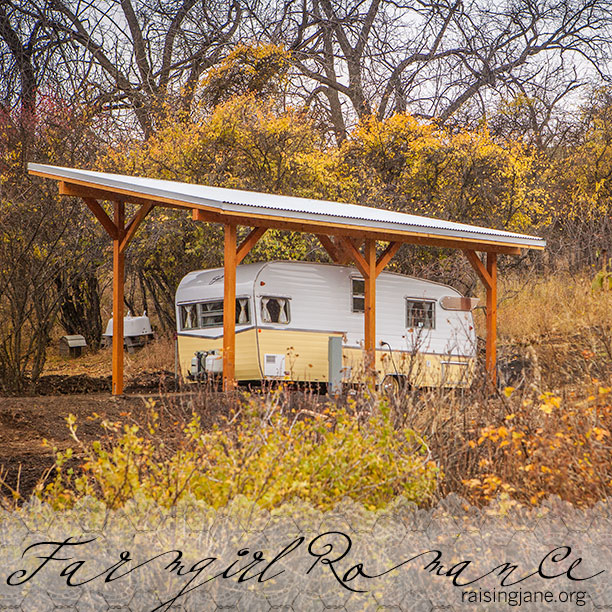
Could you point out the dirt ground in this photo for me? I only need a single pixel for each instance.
(27, 421)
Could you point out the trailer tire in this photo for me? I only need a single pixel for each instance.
(393, 384)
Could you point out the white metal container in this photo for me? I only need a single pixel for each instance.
(132, 326)
(214, 364)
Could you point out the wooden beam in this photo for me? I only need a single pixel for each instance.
(80, 191)
(491, 346)
(102, 217)
(370, 305)
(479, 267)
(386, 256)
(118, 287)
(206, 216)
(356, 256)
(359, 233)
(229, 306)
(133, 225)
(249, 242)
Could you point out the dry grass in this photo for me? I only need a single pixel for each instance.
(156, 356)
(556, 324)
(534, 306)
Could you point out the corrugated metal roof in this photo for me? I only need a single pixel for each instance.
(298, 209)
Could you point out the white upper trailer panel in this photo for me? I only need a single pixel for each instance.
(250, 203)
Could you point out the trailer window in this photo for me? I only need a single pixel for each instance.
(420, 314)
(274, 310)
(210, 314)
(358, 293)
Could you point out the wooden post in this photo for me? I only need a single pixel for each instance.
(488, 276)
(370, 268)
(118, 282)
(370, 304)
(491, 348)
(229, 306)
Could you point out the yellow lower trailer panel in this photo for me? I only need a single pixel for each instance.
(305, 359)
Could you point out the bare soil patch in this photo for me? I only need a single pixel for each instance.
(27, 421)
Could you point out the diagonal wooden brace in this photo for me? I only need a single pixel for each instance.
(479, 267)
(134, 224)
(358, 258)
(249, 242)
(386, 256)
(102, 217)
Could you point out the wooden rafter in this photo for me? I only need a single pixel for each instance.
(208, 216)
(80, 191)
(358, 233)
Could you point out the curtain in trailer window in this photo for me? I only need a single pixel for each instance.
(242, 311)
(274, 310)
(189, 316)
(211, 314)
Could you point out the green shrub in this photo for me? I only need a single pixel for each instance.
(267, 454)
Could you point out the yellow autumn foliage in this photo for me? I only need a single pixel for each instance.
(413, 166)
(262, 453)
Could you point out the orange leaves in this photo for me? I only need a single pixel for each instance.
(494, 434)
(548, 444)
(599, 433)
(489, 487)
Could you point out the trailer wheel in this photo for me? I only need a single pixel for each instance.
(391, 385)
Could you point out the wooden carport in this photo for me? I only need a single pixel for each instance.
(349, 233)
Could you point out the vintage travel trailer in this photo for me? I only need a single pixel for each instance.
(304, 322)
